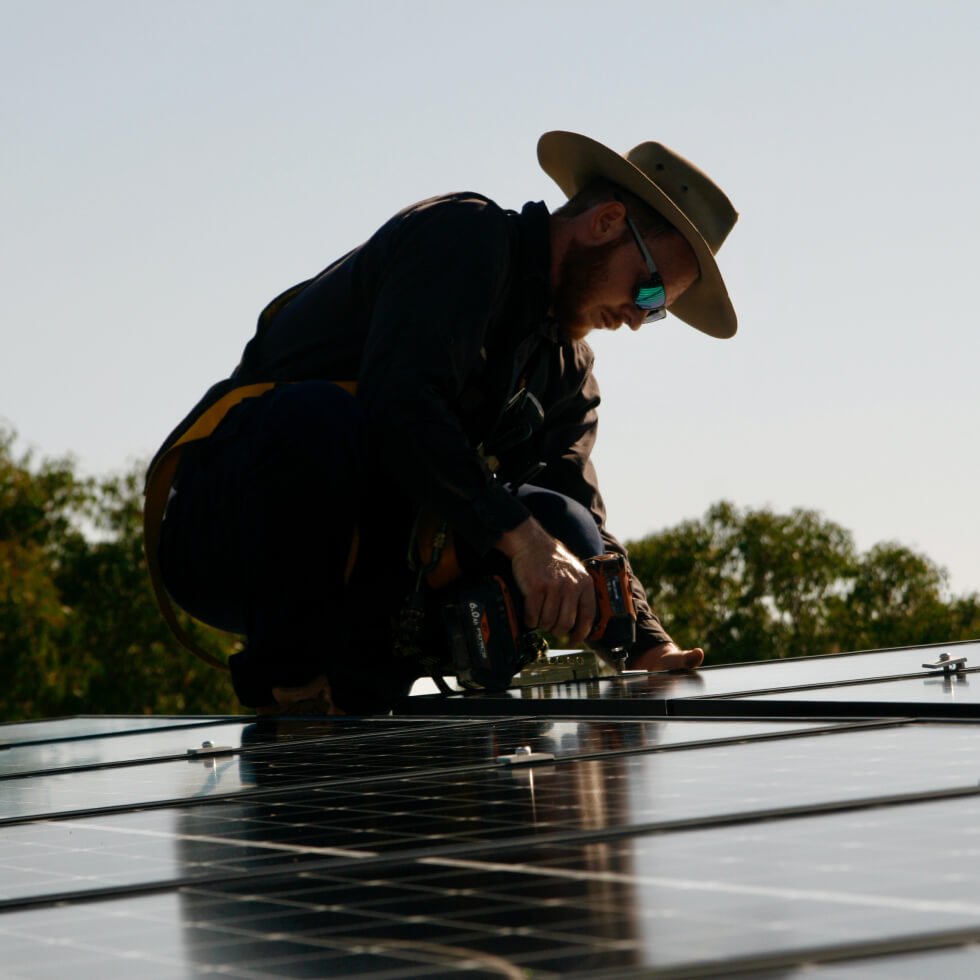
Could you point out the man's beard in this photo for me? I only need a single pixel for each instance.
(582, 268)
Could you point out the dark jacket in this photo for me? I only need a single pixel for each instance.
(441, 317)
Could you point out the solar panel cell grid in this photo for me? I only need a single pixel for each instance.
(402, 847)
(646, 901)
(283, 757)
(333, 823)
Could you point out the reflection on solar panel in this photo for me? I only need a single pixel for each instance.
(815, 817)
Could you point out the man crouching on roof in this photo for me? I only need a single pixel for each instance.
(435, 376)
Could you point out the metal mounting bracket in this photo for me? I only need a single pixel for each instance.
(208, 749)
(523, 756)
(947, 664)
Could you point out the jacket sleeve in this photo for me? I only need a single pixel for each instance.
(566, 442)
(435, 291)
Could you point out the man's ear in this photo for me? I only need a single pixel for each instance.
(606, 222)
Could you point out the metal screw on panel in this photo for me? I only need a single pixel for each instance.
(208, 750)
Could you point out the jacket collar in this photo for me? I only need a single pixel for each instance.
(534, 265)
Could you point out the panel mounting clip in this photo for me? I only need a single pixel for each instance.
(947, 664)
(209, 749)
(522, 756)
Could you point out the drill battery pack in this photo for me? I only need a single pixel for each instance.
(488, 643)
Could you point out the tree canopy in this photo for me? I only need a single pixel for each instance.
(79, 629)
(757, 585)
(80, 632)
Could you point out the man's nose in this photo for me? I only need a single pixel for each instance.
(632, 316)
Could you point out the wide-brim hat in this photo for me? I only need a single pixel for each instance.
(673, 187)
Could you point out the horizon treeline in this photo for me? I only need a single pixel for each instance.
(80, 632)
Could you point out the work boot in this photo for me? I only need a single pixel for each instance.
(313, 698)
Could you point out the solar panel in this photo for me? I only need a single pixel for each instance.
(666, 824)
(708, 899)
(87, 726)
(44, 753)
(731, 690)
(938, 691)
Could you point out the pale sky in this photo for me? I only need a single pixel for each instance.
(169, 167)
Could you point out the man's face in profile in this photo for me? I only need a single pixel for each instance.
(596, 284)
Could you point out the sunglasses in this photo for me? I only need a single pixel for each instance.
(651, 297)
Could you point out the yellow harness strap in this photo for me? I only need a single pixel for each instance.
(158, 486)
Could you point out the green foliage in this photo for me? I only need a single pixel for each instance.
(79, 629)
(755, 585)
(80, 632)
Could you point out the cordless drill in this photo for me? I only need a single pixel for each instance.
(489, 643)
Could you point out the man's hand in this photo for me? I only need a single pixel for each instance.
(558, 592)
(667, 656)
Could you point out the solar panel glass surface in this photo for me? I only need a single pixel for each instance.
(402, 846)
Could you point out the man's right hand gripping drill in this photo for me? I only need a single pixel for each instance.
(559, 594)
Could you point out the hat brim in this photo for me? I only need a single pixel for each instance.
(572, 161)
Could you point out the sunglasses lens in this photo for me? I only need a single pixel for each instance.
(652, 299)
(650, 296)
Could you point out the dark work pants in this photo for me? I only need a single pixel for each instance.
(257, 537)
